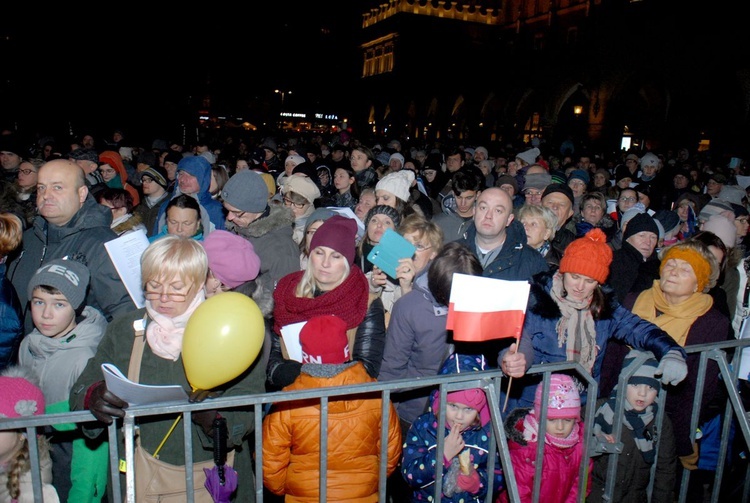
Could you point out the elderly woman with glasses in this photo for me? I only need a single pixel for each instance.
(173, 275)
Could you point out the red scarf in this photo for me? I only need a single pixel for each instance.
(348, 301)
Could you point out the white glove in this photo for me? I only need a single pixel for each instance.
(672, 368)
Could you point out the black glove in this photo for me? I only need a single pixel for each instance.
(104, 404)
(286, 373)
(205, 419)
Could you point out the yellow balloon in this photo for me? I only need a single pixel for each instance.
(222, 339)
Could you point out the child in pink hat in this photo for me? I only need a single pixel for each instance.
(564, 443)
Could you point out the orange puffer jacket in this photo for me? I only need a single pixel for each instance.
(291, 440)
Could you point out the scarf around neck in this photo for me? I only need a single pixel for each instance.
(531, 433)
(164, 334)
(633, 420)
(348, 301)
(676, 319)
(575, 328)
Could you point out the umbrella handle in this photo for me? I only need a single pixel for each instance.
(220, 434)
(220, 440)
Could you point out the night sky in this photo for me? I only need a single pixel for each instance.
(101, 71)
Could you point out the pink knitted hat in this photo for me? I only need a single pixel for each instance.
(563, 401)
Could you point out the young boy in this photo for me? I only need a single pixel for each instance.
(291, 450)
(639, 438)
(65, 337)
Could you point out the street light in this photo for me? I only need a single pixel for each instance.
(283, 95)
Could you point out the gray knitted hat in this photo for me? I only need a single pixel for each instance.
(68, 276)
(246, 191)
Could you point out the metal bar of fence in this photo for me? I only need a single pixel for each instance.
(490, 381)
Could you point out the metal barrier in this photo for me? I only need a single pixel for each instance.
(490, 381)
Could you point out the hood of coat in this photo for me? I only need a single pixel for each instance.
(457, 364)
(278, 217)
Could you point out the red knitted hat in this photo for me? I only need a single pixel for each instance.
(589, 255)
(338, 233)
(323, 340)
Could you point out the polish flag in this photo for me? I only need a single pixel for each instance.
(482, 309)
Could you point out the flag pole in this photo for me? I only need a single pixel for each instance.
(510, 379)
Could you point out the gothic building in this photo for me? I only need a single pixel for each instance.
(598, 70)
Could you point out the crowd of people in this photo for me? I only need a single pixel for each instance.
(631, 257)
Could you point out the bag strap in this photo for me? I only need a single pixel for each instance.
(136, 355)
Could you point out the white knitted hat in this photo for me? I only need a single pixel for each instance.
(397, 183)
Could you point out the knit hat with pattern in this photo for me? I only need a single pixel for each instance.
(563, 399)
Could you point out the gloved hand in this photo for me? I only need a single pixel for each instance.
(690, 462)
(103, 404)
(205, 419)
(469, 483)
(286, 373)
(672, 368)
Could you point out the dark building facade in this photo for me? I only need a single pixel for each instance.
(596, 70)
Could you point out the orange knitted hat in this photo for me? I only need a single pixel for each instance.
(589, 255)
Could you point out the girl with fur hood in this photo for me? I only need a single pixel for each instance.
(564, 444)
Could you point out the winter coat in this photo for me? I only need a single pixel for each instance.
(271, 236)
(516, 261)
(418, 461)
(706, 329)
(149, 212)
(560, 467)
(82, 239)
(116, 347)
(633, 473)
(606, 224)
(59, 362)
(629, 272)
(539, 337)
(416, 344)
(291, 433)
(454, 226)
(11, 326)
(26, 495)
(214, 208)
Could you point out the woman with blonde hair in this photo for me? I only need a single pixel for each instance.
(330, 284)
(173, 275)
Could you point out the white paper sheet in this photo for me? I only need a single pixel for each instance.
(140, 394)
(125, 253)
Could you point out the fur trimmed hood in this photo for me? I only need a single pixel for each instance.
(514, 417)
(278, 216)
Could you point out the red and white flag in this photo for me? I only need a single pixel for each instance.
(482, 309)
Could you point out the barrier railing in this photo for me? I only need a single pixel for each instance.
(491, 381)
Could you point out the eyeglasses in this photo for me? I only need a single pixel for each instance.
(421, 248)
(107, 171)
(174, 297)
(146, 179)
(529, 193)
(289, 202)
(26, 172)
(237, 214)
(628, 199)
